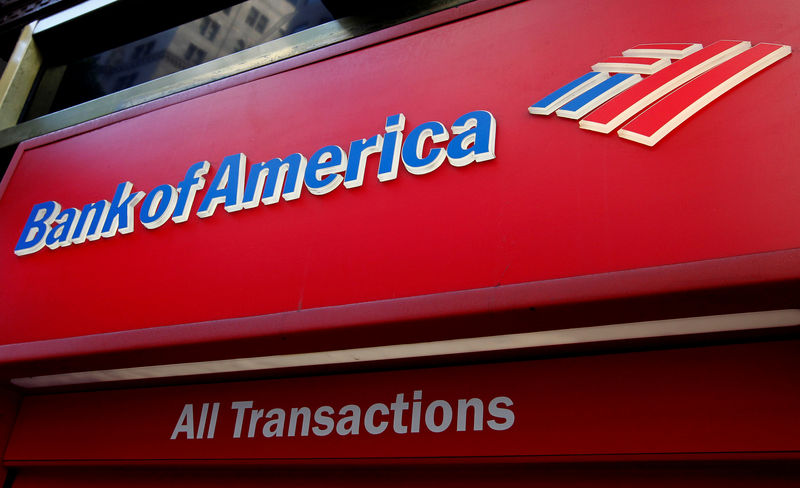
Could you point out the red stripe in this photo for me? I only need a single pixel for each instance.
(691, 97)
(625, 105)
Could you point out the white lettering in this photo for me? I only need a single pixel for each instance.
(185, 423)
(502, 413)
(241, 408)
(369, 418)
(430, 416)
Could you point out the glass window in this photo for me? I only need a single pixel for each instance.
(125, 81)
(194, 55)
(252, 17)
(227, 31)
(143, 50)
(261, 24)
(209, 28)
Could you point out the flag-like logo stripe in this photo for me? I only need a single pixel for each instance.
(551, 102)
(623, 64)
(593, 97)
(617, 111)
(660, 119)
(611, 101)
(673, 50)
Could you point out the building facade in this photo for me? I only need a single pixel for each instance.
(482, 243)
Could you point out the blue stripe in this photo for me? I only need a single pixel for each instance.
(576, 103)
(544, 102)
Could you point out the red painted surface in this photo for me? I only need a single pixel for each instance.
(586, 475)
(557, 201)
(699, 400)
(9, 405)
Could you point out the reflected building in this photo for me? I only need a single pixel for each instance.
(216, 35)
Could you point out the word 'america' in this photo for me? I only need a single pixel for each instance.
(473, 140)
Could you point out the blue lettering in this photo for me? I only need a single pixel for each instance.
(275, 172)
(157, 206)
(413, 159)
(59, 236)
(474, 139)
(390, 154)
(359, 151)
(120, 213)
(36, 228)
(321, 177)
(90, 222)
(227, 187)
(187, 189)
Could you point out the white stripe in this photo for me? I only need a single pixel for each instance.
(582, 335)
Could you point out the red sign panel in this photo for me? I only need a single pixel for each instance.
(677, 401)
(554, 201)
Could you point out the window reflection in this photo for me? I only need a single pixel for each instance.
(224, 32)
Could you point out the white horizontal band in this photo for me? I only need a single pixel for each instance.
(615, 332)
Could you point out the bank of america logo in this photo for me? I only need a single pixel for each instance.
(665, 84)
